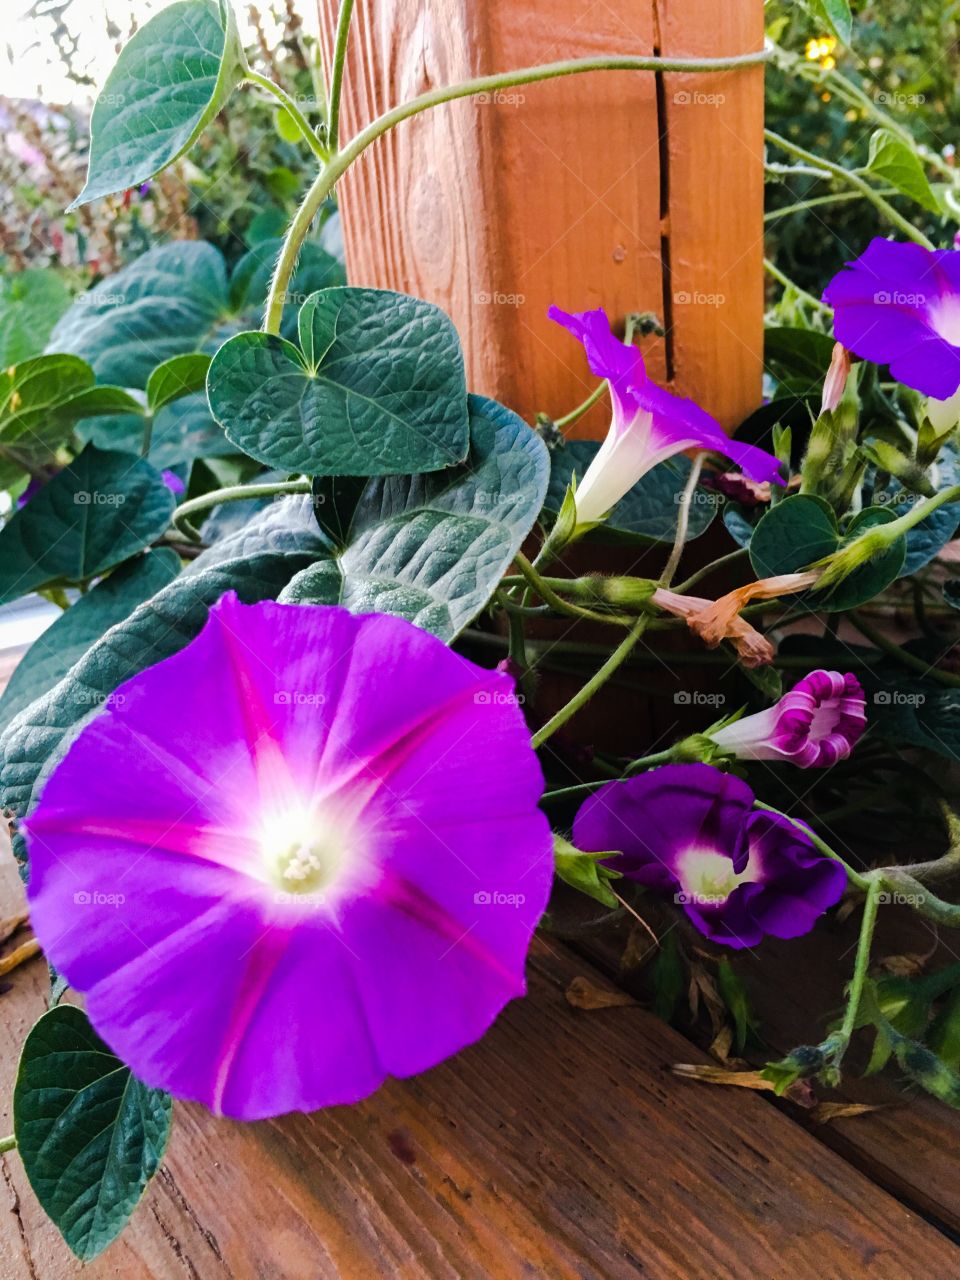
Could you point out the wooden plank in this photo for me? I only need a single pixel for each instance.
(552, 192)
(714, 178)
(558, 1146)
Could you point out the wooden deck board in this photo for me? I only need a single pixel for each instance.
(559, 1146)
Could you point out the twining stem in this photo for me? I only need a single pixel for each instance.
(340, 161)
(903, 656)
(730, 558)
(853, 179)
(569, 418)
(635, 766)
(235, 493)
(836, 197)
(291, 108)
(861, 964)
(336, 75)
(596, 681)
(147, 438)
(546, 593)
(683, 521)
(8, 1144)
(772, 269)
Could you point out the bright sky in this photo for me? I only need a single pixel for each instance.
(30, 67)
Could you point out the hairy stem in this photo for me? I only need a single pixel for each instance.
(234, 493)
(291, 108)
(336, 75)
(683, 521)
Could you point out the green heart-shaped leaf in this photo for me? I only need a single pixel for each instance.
(31, 302)
(648, 513)
(895, 162)
(257, 562)
(433, 548)
(64, 643)
(99, 510)
(172, 299)
(182, 432)
(42, 398)
(803, 529)
(376, 387)
(176, 377)
(169, 82)
(90, 1135)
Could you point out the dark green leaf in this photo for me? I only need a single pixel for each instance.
(648, 513)
(169, 82)
(182, 432)
(926, 539)
(951, 593)
(837, 15)
(375, 388)
(250, 281)
(876, 575)
(896, 163)
(170, 300)
(43, 397)
(31, 303)
(90, 1135)
(669, 977)
(176, 377)
(433, 548)
(799, 353)
(256, 562)
(97, 512)
(792, 535)
(335, 501)
(112, 600)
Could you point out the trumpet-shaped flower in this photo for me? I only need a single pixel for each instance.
(690, 832)
(899, 304)
(816, 724)
(649, 424)
(300, 855)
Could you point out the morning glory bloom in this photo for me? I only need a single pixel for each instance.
(299, 856)
(690, 832)
(649, 424)
(899, 304)
(816, 724)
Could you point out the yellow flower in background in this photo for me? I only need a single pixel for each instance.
(821, 49)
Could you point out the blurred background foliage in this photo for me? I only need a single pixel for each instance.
(904, 57)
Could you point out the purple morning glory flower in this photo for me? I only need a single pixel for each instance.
(689, 831)
(649, 424)
(816, 724)
(299, 856)
(173, 482)
(899, 304)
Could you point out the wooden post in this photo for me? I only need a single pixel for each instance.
(630, 190)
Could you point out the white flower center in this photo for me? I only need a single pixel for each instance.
(945, 317)
(307, 853)
(707, 878)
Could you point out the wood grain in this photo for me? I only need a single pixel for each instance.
(559, 1146)
(553, 192)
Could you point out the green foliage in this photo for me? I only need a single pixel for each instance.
(99, 510)
(432, 548)
(375, 387)
(170, 80)
(31, 303)
(90, 1135)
